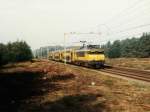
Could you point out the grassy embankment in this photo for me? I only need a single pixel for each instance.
(43, 86)
(139, 63)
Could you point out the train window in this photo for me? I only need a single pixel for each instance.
(93, 46)
(80, 54)
(57, 57)
(96, 52)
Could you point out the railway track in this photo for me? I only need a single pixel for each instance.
(130, 73)
(125, 72)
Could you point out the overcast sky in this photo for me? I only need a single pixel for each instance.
(44, 22)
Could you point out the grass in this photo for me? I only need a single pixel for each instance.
(139, 63)
(76, 103)
(45, 86)
(109, 82)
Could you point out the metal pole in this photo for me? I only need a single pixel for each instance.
(41, 53)
(47, 52)
(65, 47)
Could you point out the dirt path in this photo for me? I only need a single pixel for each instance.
(44, 86)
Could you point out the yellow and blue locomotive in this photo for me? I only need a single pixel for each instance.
(90, 56)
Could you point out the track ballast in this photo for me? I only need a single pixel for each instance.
(127, 72)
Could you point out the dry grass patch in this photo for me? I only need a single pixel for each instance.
(74, 89)
(139, 63)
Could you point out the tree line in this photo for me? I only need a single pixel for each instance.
(42, 52)
(130, 48)
(14, 52)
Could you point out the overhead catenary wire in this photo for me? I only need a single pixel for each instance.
(132, 28)
(124, 11)
(128, 15)
(125, 36)
(129, 21)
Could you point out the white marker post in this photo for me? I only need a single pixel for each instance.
(65, 34)
(47, 52)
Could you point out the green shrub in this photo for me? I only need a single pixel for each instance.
(15, 52)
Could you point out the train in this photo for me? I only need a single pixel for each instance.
(89, 56)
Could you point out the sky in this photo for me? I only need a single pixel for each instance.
(44, 22)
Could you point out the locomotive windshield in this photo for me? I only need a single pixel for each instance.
(95, 52)
(93, 46)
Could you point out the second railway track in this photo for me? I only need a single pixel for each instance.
(122, 71)
(130, 73)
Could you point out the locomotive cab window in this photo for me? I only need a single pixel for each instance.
(96, 52)
(81, 54)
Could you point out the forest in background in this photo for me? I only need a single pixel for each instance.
(129, 48)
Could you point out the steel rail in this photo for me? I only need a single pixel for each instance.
(129, 74)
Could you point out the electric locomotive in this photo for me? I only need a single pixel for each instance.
(90, 56)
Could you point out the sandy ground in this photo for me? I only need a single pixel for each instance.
(45, 86)
(138, 63)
